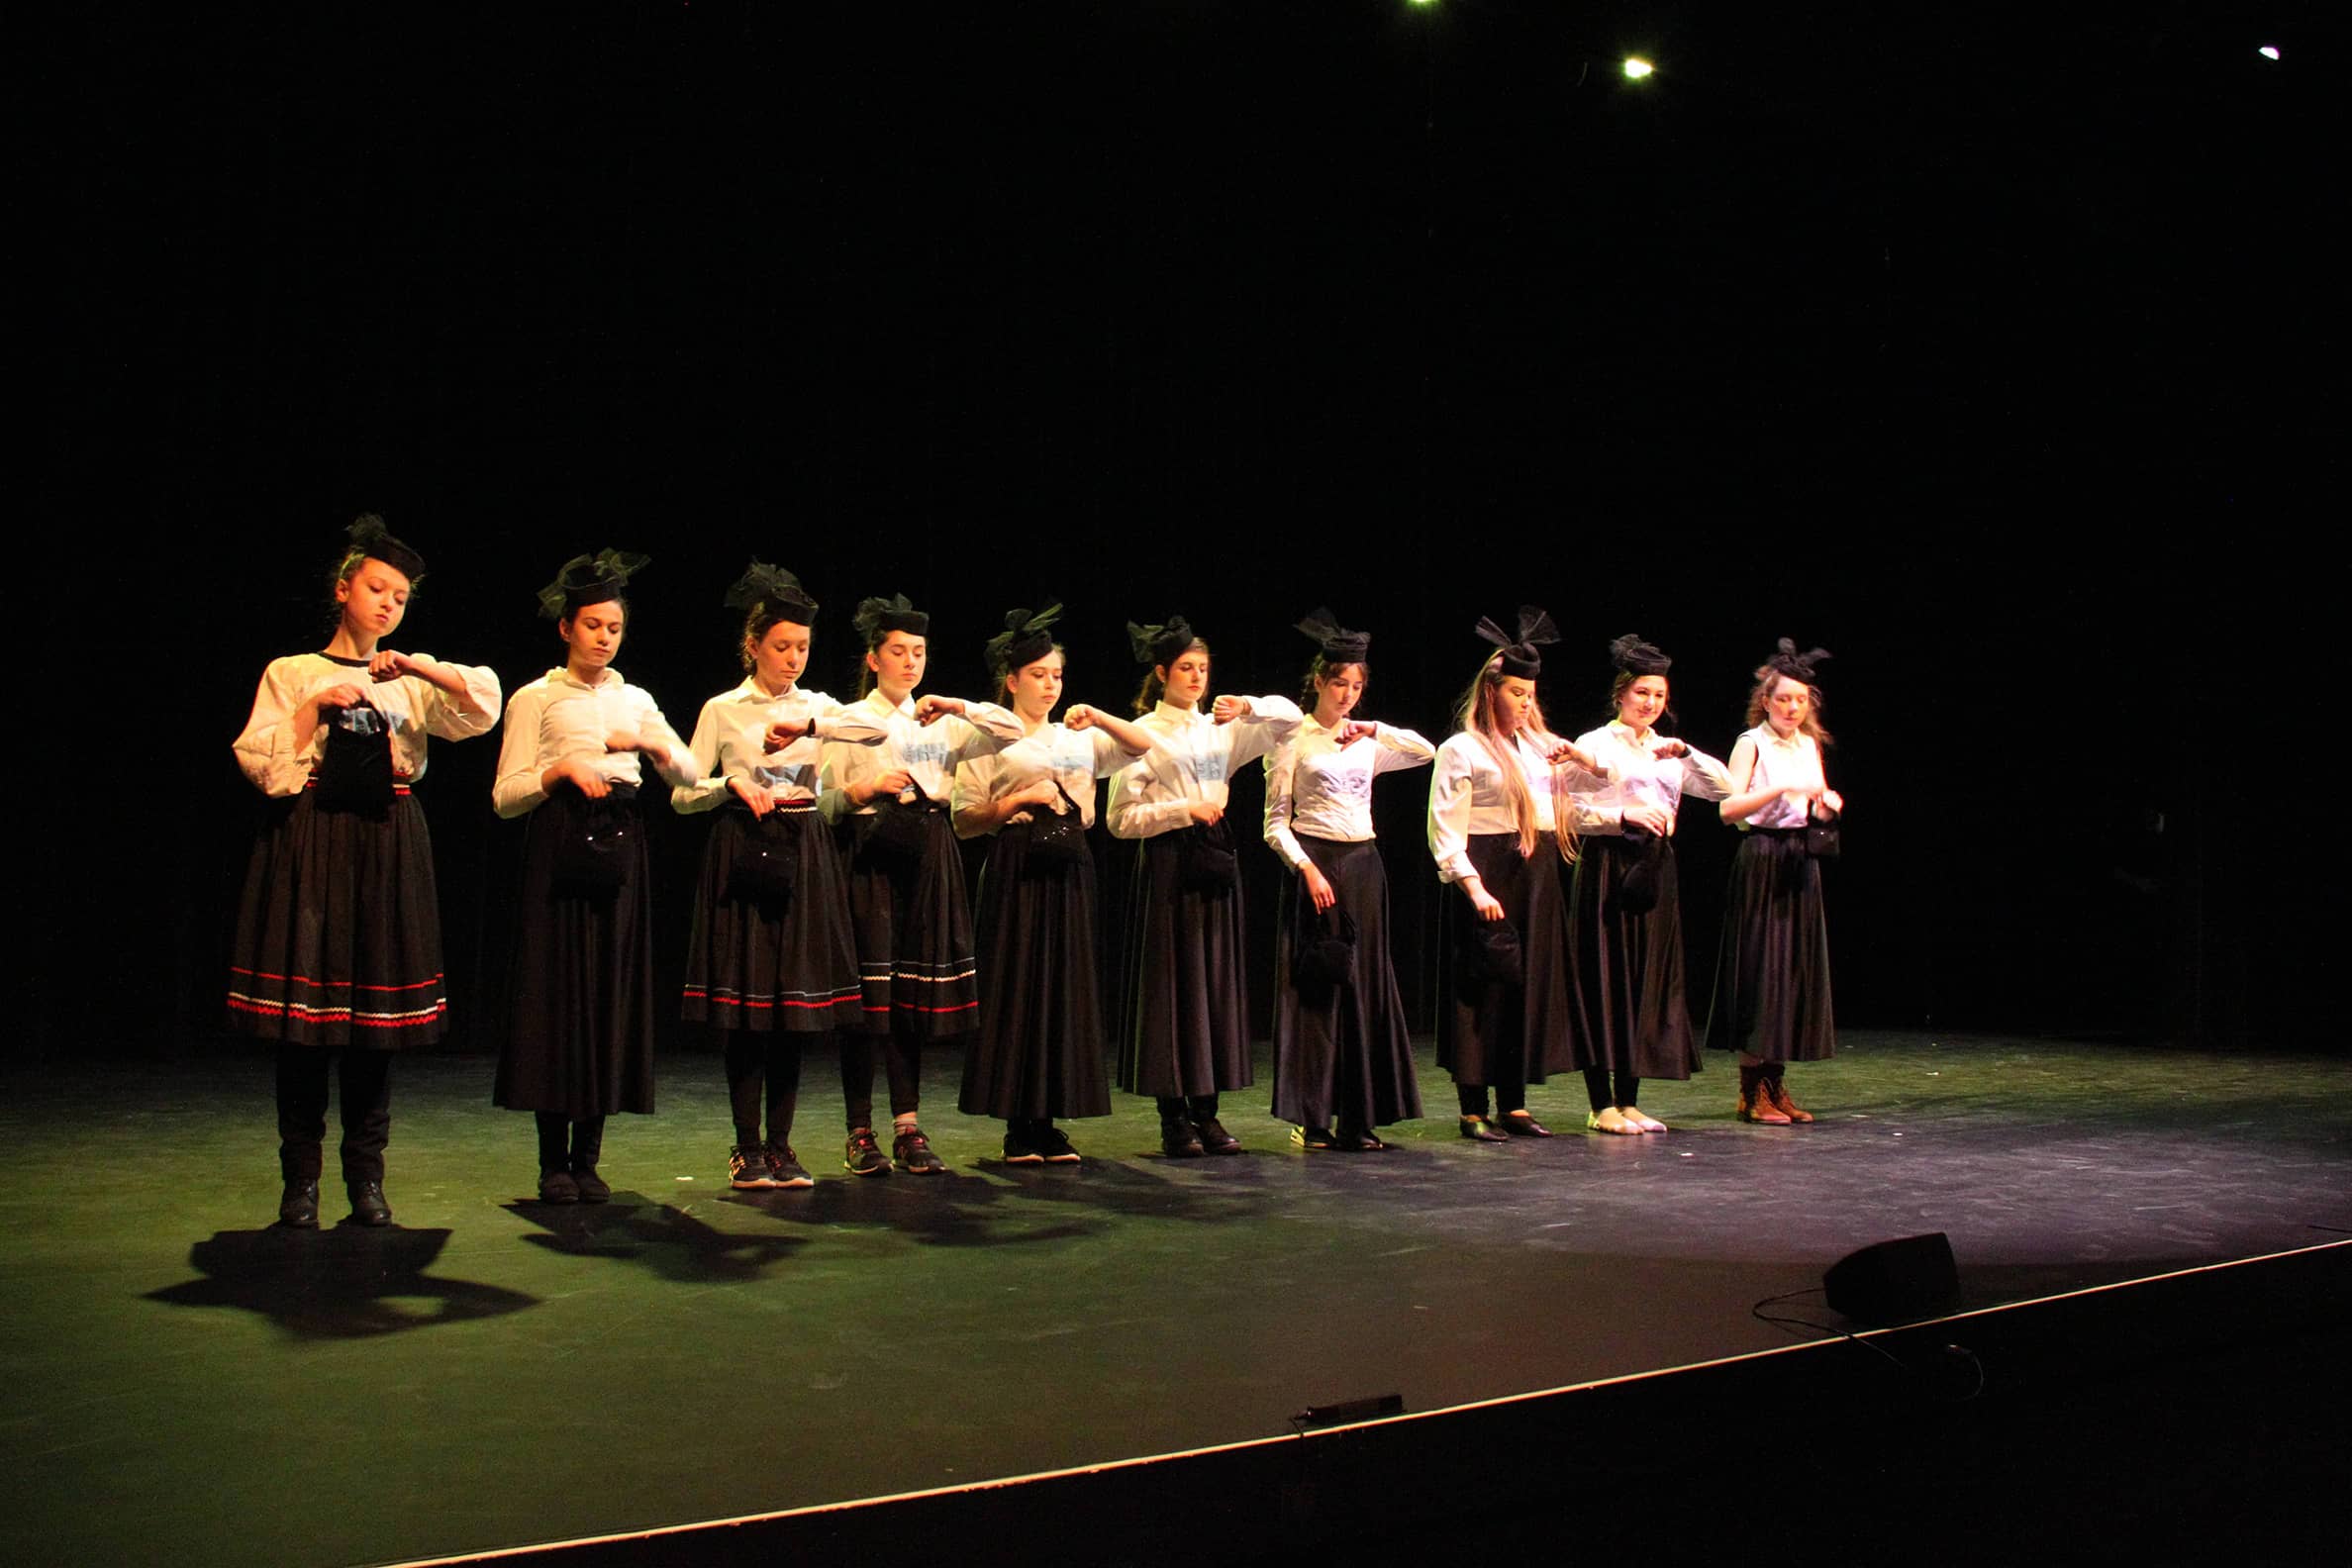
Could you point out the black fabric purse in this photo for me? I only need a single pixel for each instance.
(1057, 839)
(1820, 838)
(1325, 957)
(1639, 863)
(900, 828)
(1490, 953)
(1204, 860)
(764, 862)
(593, 859)
(355, 772)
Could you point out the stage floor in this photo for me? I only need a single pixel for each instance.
(188, 1381)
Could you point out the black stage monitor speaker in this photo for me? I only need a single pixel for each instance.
(1899, 1281)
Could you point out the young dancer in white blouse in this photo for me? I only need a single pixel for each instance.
(1502, 832)
(338, 944)
(1624, 930)
(1184, 1018)
(580, 1016)
(1343, 1055)
(1772, 973)
(1038, 1054)
(908, 912)
(771, 963)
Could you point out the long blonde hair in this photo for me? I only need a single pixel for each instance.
(1480, 714)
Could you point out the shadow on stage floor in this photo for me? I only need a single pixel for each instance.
(497, 1372)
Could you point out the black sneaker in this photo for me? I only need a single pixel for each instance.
(864, 1156)
(786, 1169)
(911, 1152)
(558, 1187)
(747, 1167)
(1215, 1140)
(1053, 1143)
(1021, 1148)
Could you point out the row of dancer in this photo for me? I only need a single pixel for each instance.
(831, 900)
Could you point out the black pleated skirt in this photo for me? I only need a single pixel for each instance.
(1626, 969)
(772, 965)
(1772, 973)
(913, 929)
(1184, 1006)
(580, 994)
(1041, 1042)
(1489, 1030)
(1343, 1055)
(339, 930)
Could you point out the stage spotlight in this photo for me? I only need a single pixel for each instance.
(2269, 51)
(1637, 68)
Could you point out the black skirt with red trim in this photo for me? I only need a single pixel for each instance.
(911, 922)
(339, 928)
(775, 964)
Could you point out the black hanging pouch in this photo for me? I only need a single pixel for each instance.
(355, 774)
(902, 828)
(1490, 953)
(1057, 839)
(765, 859)
(1638, 865)
(1325, 957)
(593, 859)
(1204, 860)
(1820, 838)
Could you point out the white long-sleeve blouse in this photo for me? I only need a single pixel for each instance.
(559, 716)
(1073, 758)
(1192, 757)
(931, 754)
(1637, 776)
(731, 742)
(1467, 797)
(1317, 787)
(278, 762)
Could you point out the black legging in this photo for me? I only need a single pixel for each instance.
(566, 1144)
(753, 1059)
(903, 1057)
(1507, 1098)
(367, 1083)
(1598, 1088)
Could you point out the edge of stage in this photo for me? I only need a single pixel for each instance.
(980, 1358)
(1390, 1482)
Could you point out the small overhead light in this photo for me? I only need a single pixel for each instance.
(2269, 51)
(1637, 68)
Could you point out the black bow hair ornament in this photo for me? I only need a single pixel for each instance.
(1027, 638)
(876, 619)
(1340, 645)
(763, 586)
(370, 539)
(589, 579)
(1636, 657)
(1520, 656)
(1786, 660)
(1160, 644)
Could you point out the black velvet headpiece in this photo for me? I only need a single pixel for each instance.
(589, 579)
(1519, 656)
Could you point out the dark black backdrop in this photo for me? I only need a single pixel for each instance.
(1991, 351)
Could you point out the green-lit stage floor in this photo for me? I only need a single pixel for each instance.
(187, 1382)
